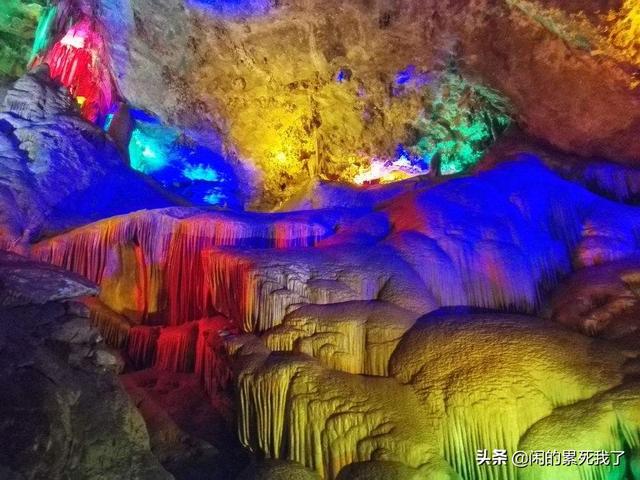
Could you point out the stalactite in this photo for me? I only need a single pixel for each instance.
(258, 288)
(175, 351)
(185, 272)
(211, 360)
(292, 408)
(354, 337)
(142, 347)
(168, 246)
(113, 327)
(80, 61)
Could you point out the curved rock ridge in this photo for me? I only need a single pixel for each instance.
(464, 382)
(491, 240)
(58, 171)
(149, 263)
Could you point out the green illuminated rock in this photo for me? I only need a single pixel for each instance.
(18, 22)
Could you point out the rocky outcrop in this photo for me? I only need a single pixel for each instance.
(468, 380)
(190, 434)
(64, 412)
(570, 82)
(602, 301)
(58, 171)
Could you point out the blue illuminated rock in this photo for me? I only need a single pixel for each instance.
(58, 171)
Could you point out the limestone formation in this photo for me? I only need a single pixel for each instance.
(58, 170)
(469, 381)
(354, 337)
(601, 301)
(320, 239)
(64, 412)
(271, 79)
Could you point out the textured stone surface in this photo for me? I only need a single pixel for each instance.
(23, 282)
(602, 301)
(64, 413)
(265, 77)
(59, 171)
(569, 82)
(278, 470)
(464, 380)
(18, 21)
(191, 434)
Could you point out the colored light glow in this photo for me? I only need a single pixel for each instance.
(43, 33)
(108, 119)
(461, 121)
(343, 75)
(74, 38)
(191, 171)
(214, 198)
(411, 79)
(80, 62)
(625, 32)
(200, 172)
(232, 8)
(281, 157)
(149, 149)
(403, 167)
(18, 22)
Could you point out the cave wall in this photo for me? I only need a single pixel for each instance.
(303, 89)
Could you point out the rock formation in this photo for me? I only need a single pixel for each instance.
(64, 412)
(320, 239)
(58, 171)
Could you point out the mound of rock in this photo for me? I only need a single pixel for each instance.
(64, 413)
(457, 383)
